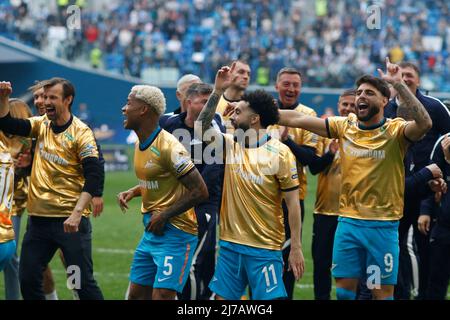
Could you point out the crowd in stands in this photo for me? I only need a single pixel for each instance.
(331, 41)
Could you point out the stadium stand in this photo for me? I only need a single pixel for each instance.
(197, 36)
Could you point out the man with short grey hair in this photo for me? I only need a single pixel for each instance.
(203, 263)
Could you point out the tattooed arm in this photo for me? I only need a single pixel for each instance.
(205, 118)
(222, 82)
(410, 108)
(197, 193)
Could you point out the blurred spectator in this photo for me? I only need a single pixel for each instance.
(84, 114)
(96, 58)
(329, 112)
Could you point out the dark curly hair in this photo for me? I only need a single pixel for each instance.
(381, 85)
(264, 105)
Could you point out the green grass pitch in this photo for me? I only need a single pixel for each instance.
(115, 236)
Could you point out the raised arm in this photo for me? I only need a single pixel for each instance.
(20, 127)
(5, 92)
(222, 82)
(409, 108)
(294, 119)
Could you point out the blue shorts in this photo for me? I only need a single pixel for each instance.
(7, 250)
(240, 265)
(366, 250)
(163, 261)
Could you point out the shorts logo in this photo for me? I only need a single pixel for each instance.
(163, 279)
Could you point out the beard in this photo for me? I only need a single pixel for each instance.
(242, 126)
(371, 112)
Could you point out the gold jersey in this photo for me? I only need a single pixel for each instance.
(158, 169)
(57, 179)
(251, 212)
(328, 182)
(373, 178)
(17, 145)
(302, 137)
(6, 194)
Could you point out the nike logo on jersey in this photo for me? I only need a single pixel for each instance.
(271, 289)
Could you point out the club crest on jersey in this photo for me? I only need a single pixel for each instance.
(25, 142)
(69, 137)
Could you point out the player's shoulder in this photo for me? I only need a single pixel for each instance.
(41, 120)
(79, 130)
(306, 110)
(79, 125)
(162, 144)
(277, 147)
(167, 140)
(349, 120)
(395, 122)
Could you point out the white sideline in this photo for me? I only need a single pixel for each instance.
(114, 251)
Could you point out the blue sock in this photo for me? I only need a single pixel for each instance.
(389, 298)
(344, 294)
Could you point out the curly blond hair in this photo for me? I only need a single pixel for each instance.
(152, 96)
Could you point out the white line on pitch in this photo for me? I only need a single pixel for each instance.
(114, 251)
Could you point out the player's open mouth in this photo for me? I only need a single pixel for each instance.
(362, 106)
(50, 111)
